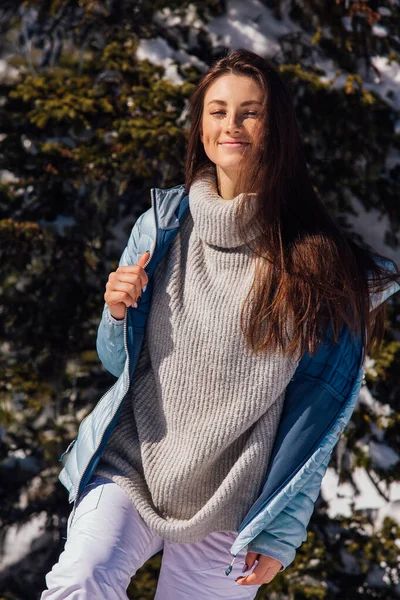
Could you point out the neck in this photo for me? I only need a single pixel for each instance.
(226, 184)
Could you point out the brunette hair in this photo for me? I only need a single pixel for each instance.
(308, 271)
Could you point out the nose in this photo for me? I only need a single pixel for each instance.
(233, 122)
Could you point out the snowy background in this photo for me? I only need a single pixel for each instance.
(336, 54)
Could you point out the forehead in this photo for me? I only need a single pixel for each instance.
(235, 88)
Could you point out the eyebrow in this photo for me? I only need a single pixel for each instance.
(223, 103)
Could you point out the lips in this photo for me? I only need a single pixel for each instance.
(237, 144)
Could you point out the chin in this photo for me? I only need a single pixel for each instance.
(228, 166)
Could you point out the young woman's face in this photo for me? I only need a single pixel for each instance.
(230, 118)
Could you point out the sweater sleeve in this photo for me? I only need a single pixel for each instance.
(110, 333)
(288, 530)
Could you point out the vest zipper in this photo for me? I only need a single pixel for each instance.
(125, 390)
(101, 439)
(155, 222)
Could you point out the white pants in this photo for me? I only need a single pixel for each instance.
(108, 541)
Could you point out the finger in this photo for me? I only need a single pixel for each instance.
(122, 292)
(143, 259)
(137, 269)
(132, 278)
(257, 577)
(119, 298)
(249, 580)
(249, 561)
(141, 263)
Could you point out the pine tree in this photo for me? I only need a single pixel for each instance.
(86, 128)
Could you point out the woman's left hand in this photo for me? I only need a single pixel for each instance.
(264, 572)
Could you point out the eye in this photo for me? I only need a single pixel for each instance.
(252, 113)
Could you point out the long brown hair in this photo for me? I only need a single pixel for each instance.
(308, 271)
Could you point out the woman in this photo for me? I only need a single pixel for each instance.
(237, 324)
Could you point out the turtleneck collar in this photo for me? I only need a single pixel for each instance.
(213, 217)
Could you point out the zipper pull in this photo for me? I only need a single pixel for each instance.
(229, 569)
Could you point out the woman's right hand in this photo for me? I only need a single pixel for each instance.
(124, 286)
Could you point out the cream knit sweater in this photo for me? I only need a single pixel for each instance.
(193, 441)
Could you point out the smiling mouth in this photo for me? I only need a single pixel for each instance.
(234, 144)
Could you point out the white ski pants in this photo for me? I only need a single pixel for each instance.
(108, 541)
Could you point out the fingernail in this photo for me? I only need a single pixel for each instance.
(144, 288)
(135, 305)
(245, 568)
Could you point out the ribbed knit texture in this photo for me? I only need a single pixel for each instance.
(194, 438)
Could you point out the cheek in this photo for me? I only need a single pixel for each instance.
(211, 143)
(210, 139)
(211, 133)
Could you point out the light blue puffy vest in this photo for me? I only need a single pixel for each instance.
(319, 402)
